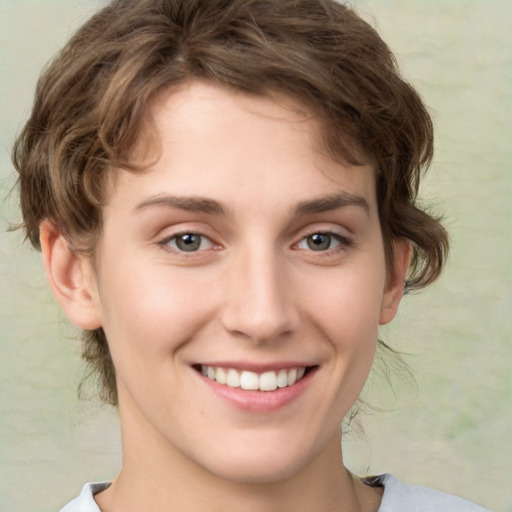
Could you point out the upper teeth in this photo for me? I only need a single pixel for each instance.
(267, 381)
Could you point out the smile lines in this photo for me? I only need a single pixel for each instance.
(266, 381)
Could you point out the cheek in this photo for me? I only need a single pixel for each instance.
(348, 302)
(151, 314)
(347, 312)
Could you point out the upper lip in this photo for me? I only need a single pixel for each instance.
(255, 366)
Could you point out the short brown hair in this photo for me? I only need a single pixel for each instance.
(91, 100)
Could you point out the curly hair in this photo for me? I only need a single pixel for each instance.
(91, 100)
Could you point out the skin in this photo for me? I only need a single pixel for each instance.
(254, 293)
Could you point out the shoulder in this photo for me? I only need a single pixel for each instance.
(85, 502)
(399, 497)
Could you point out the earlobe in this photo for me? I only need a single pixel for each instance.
(70, 277)
(402, 253)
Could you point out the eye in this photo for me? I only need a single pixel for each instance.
(321, 242)
(189, 242)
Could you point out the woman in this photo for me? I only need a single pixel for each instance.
(224, 194)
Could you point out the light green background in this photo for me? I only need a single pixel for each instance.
(454, 431)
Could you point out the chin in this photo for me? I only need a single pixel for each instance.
(260, 463)
(258, 471)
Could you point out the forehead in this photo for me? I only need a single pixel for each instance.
(201, 137)
(194, 108)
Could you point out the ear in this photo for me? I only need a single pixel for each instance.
(70, 277)
(402, 253)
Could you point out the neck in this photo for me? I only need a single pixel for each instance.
(157, 477)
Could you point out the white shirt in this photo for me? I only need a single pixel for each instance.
(397, 497)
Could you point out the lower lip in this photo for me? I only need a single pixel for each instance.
(259, 401)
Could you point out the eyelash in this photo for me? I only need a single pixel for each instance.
(171, 243)
(166, 243)
(342, 242)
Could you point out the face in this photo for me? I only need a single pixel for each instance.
(240, 281)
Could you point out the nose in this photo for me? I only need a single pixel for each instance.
(259, 301)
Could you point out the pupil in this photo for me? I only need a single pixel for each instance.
(188, 242)
(319, 241)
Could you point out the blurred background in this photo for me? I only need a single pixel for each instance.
(451, 429)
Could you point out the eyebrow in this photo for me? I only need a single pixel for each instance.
(332, 202)
(210, 206)
(188, 203)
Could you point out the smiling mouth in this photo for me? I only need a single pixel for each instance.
(253, 381)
